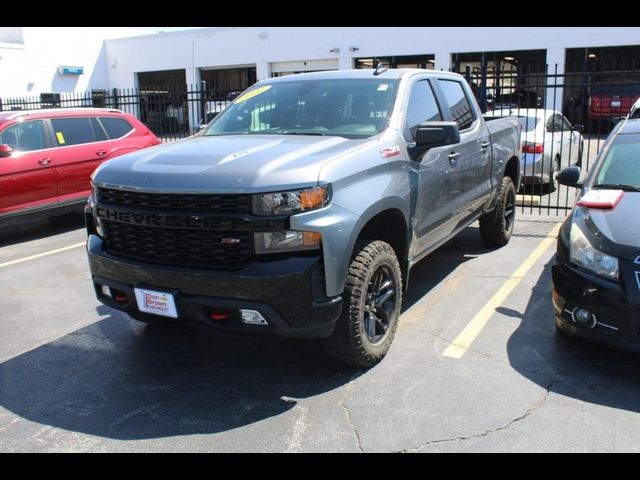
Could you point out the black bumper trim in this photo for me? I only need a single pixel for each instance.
(612, 306)
(281, 290)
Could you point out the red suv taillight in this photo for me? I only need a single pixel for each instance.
(532, 148)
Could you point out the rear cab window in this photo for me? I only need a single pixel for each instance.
(458, 103)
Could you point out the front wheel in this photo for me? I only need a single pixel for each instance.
(496, 226)
(372, 300)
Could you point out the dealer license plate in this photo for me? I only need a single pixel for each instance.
(615, 103)
(158, 303)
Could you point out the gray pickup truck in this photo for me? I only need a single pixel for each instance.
(301, 208)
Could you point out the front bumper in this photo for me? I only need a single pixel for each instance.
(289, 293)
(617, 312)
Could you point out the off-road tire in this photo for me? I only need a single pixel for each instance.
(496, 226)
(350, 342)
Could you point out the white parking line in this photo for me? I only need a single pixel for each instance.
(463, 341)
(40, 255)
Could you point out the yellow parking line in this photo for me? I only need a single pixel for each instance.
(40, 255)
(464, 340)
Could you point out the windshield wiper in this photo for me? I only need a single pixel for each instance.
(619, 186)
(289, 132)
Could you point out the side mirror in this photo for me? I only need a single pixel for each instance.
(578, 128)
(434, 134)
(200, 127)
(437, 134)
(570, 176)
(5, 151)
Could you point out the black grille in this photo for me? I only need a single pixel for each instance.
(167, 246)
(203, 203)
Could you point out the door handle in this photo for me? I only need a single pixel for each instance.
(101, 153)
(485, 145)
(453, 157)
(44, 161)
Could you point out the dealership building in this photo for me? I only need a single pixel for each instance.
(46, 61)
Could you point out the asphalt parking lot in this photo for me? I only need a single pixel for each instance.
(76, 376)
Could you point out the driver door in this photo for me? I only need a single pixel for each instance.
(434, 177)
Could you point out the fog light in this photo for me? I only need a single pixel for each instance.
(219, 315)
(584, 317)
(252, 317)
(106, 291)
(119, 297)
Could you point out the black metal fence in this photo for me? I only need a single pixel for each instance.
(170, 111)
(590, 95)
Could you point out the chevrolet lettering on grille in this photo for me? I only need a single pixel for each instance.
(196, 222)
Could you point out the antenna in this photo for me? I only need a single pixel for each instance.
(381, 68)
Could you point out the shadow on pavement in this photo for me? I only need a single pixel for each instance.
(573, 367)
(431, 270)
(34, 230)
(120, 379)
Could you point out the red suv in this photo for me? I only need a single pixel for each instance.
(48, 156)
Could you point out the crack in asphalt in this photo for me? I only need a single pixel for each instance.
(343, 404)
(506, 426)
(491, 357)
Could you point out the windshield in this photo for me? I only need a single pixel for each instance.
(351, 108)
(621, 165)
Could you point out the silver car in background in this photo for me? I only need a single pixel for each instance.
(549, 143)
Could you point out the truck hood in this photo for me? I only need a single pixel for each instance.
(231, 163)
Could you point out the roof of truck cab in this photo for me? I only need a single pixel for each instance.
(392, 73)
(630, 126)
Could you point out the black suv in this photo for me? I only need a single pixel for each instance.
(596, 281)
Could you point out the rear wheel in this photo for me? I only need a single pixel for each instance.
(372, 299)
(496, 226)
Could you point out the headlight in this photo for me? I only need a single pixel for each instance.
(289, 241)
(587, 256)
(287, 203)
(92, 223)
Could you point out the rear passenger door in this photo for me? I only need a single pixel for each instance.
(82, 146)
(27, 177)
(473, 162)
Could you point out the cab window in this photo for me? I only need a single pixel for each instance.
(422, 107)
(458, 103)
